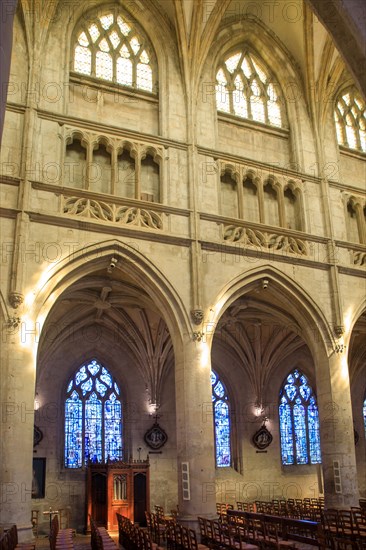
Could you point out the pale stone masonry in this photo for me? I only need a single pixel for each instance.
(165, 238)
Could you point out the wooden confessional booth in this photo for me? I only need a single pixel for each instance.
(117, 487)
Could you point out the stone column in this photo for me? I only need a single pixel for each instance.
(195, 436)
(336, 433)
(17, 420)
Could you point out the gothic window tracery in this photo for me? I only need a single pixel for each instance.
(221, 416)
(299, 421)
(350, 120)
(93, 417)
(110, 48)
(245, 89)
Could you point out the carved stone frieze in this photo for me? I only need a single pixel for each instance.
(265, 240)
(99, 210)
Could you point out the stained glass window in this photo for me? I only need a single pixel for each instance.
(364, 414)
(111, 49)
(299, 421)
(244, 88)
(221, 421)
(350, 120)
(93, 416)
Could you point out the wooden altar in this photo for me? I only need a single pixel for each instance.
(117, 487)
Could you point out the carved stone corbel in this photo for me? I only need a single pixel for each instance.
(16, 299)
(197, 316)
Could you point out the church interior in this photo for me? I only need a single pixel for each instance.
(183, 250)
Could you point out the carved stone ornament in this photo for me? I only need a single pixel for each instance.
(16, 299)
(197, 316)
(37, 436)
(155, 437)
(262, 438)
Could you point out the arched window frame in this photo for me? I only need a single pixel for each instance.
(256, 81)
(302, 450)
(220, 395)
(98, 375)
(140, 53)
(350, 112)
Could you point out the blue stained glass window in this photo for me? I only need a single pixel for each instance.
(101, 388)
(73, 431)
(81, 375)
(93, 368)
(86, 386)
(93, 417)
(364, 414)
(93, 429)
(112, 426)
(106, 377)
(299, 421)
(221, 422)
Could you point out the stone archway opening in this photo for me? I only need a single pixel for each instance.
(107, 315)
(257, 343)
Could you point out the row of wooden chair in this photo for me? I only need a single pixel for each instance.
(243, 535)
(132, 537)
(60, 539)
(100, 538)
(156, 526)
(179, 537)
(9, 541)
(345, 524)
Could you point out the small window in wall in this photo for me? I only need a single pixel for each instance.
(250, 197)
(299, 421)
(245, 89)
(350, 120)
(229, 196)
(111, 48)
(93, 417)
(221, 414)
(75, 165)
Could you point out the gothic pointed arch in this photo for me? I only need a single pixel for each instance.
(301, 307)
(245, 88)
(109, 45)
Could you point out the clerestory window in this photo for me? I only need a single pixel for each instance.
(112, 49)
(350, 120)
(246, 89)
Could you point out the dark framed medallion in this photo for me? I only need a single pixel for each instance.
(155, 437)
(262, 438)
